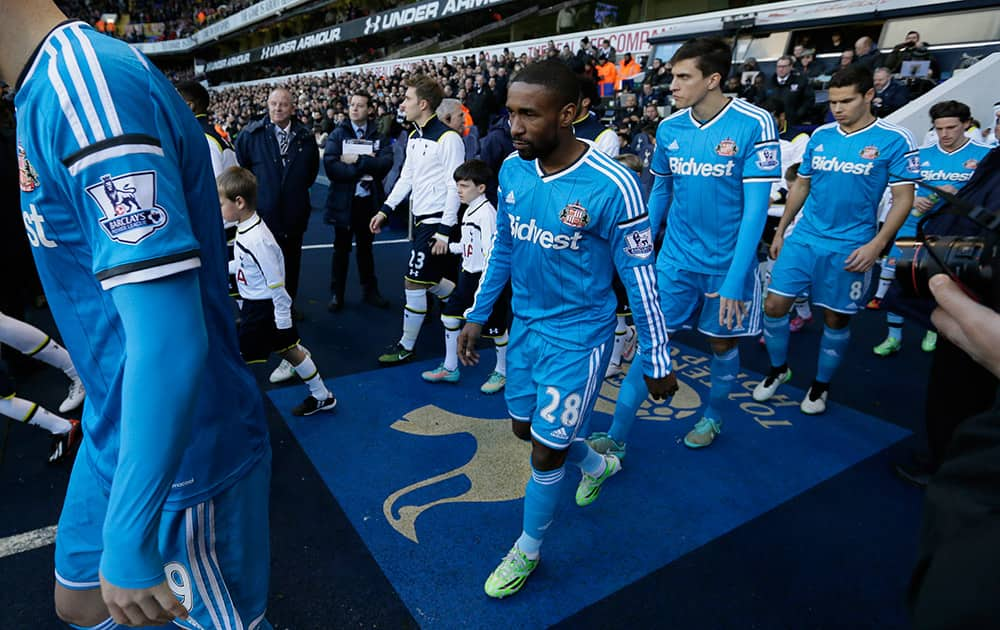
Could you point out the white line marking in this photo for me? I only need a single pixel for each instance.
(330, 245)
(27, 541)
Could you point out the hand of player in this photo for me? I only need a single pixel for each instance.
(776, 244)
(152, 606)
(862, 259)
(376, 223)
(348, 158)
(923, 204)
(661, 388)
(439, 247)
(971, 326)
(728, 310)
(467, 352)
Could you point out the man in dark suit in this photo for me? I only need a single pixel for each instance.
(792, 89)
(281, 152)
(355, 194)
(889, 95)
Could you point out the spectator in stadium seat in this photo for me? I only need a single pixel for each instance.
(650, 116)
(627, 116)
(890, 95)
(585, 51)
(866, 53)
(282, 154)
(481, 103)
(355, 194)
(846, 59)
(648, 95)
(607, 50)
(792, 89)
(811, 67)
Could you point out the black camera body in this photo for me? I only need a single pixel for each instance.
(973, 262)
(969, 260)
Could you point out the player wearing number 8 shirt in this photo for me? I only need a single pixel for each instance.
(165, 516)
(567, 217)
(843, 174)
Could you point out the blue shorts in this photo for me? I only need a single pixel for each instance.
(802, 268)
(684, 305)
(551, 387)
(216, 554)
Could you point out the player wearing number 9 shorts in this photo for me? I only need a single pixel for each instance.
(567, 217)
(834, 246)
(166, 513)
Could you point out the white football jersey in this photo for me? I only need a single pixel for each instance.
(259, 267)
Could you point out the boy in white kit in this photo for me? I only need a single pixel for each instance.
(266, 317)
(478, 227)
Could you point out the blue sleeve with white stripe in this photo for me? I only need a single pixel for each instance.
(631, 239)
(761, 167)
(663, 191)
(120, 163)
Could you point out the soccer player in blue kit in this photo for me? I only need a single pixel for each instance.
(166, 513)
(714, 163)
(843, 174)
(567, 217)
(947, 164)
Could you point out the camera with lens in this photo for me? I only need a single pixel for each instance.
(973, 262)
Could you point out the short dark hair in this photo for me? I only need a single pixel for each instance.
(712, 55)
(951, 109)
(855, 75)
(363, 94)
(237, 181)
(554, 76)
(195, 93)
(427, 89)
(588, 90)
(476, 171)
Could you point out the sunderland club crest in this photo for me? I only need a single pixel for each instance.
(870, 152)
(574, 215)
(27, 175)
(128, 206)
(971, 164)
(726, 148)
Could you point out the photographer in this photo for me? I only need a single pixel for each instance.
(959, 388)
(955, 582)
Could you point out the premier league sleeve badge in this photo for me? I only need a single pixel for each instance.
(128, 206)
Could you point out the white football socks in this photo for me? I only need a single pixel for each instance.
(26, 411)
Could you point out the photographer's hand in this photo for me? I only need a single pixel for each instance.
(971, 326)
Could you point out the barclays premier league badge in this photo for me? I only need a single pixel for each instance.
(128, 203)
(574, 215)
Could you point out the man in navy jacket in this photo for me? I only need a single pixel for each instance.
(355, 194)
(281, 152)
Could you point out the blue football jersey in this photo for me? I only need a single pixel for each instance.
(940, 168)
(707, 164)
(559, 239)
(848, 173)
(117, 187)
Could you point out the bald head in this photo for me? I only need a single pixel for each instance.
(279, 106)
(863, 46)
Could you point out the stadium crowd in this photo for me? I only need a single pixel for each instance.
(632, 108)
(157, 20)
